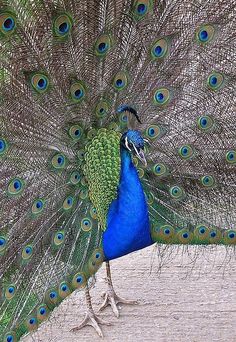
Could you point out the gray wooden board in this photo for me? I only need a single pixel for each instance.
(192, 299)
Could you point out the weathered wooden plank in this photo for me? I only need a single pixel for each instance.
(192, 300)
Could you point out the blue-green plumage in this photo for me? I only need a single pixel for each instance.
(128, 227)
(78, 100)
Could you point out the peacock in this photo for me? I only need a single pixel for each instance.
(117, 131)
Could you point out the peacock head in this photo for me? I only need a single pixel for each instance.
(133, 141)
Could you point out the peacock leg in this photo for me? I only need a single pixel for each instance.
(110, 297)
(90, 317)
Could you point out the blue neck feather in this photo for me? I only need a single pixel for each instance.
(128, 227)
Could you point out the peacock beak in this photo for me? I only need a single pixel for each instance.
(140, 155)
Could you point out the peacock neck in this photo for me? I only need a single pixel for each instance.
(128, 227)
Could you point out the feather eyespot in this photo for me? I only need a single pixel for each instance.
(206, 123)
(102, 109)
(16, 186)
(62, 25)
(161, 96)
(215, 81)
(91, 133)
(201, 232)
(93, 213)
(86, 224)
(184, 236)
(120, 81)
(39, 83)
(3, 146)
(159, 49)
(160, 170)
(27, 252)
(10, 292)
(208, 181)
(103, 45)
(205, 34)
(177, 192)
(229, 237)
(38, 206)
(142, 8)
(154, 132)
(59, 238)
(141, 172)
(186, 152)
(64, 290)
(231, 157)
(75, 132)
(3, 244)
(58, 161)
(79, 281)
(53, 295)
(123, 118)
(68, 203)
(75, 177)
(149, 197)
(78, 91)
(10, 337)
(32, 324)
(80, 155)
(7, 24)
(164, 233)
(42, 312)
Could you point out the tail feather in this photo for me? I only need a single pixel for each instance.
(65, 70)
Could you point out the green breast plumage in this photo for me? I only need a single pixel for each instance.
(102, 170)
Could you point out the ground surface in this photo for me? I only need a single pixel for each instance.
(192, 300)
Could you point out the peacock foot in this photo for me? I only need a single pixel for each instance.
(93, 320)
(112, 299)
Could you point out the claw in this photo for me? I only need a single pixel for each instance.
(112, 299)
(92, 320)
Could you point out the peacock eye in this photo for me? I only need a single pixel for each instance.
(79, 281)
(231, 157)
(102, 109)
(141, 8)
(59, 238)
(120, 81)
(75, 132)
(176, 192)
(68, 203)
(10, 292)
(3, 146)
(3, 244)
(205, 34)
(206, 123)
(208, 181)
(162, 96)
(38, 206)
(86, 224)
(159, 49)
(16, 186)
(7, 23)
(103, 45)
(186, 152)
(10, 337)
(78, 91)
(58, 162)
(62, 26)
(215, 81)
(39, 83)
(27, 252)
(42, 313)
